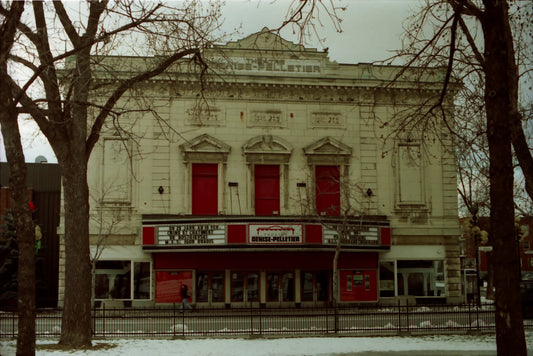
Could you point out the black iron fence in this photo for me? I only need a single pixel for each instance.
(364, 320)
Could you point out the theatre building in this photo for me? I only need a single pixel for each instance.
(287, 175)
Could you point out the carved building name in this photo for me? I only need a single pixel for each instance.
(274, 65)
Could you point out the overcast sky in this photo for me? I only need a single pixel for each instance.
(371, 30)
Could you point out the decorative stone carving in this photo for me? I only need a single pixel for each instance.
(267, 149)
(326, 120)
(266, 118)
(210, 116)
(205, 148)
(328, 151)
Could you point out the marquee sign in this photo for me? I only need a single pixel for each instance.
(354, 235)
(191, 234)
(275, 234)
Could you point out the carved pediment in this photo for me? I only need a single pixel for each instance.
(328, 151)
(265, 40)
(267, 148)
(205, 147)
(328, 145)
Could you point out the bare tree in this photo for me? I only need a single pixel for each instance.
(19, 192)
(492, 63)
(63, 112)
(486, 44)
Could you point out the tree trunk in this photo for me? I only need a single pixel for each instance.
(509, 324)
(76, 326)
(23, 222)
(490, 278)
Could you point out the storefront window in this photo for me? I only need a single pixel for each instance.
(237, 287)
(288, 286)
(386, 279)
(217, 286)
(423, 278)
(307, 286)
(112, 280)
(245, 284)
(210, 281)
(283, 282)
(252, 287)
(311, 281)
(322, 286)
(141, 280)
(272, 287)
(202, 287)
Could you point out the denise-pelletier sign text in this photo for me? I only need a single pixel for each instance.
(275, 234)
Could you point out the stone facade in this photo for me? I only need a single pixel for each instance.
(274, 105)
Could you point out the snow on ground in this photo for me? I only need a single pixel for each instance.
(312, 346)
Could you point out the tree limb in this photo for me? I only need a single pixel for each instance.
(124, 86)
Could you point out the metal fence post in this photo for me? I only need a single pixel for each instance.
(182, 321)
(260, 322)
(251, 320)
(173, 319)
(103, 319)
(399, 316)
(477, 316)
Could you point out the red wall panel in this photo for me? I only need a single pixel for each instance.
(313, 234)
(148, 235)
(237, 234)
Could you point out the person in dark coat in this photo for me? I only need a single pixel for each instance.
(185, 298)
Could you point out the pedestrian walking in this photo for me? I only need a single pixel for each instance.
(185, 298)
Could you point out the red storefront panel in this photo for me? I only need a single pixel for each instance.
(266, 189)
(264, 260)
(148, 235)
(313, 234)
(237, 234)
(358, 286)
(385, 236)
(168, 285)
(204, 189)
(328, 198)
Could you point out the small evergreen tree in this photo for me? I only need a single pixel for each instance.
(8, 261)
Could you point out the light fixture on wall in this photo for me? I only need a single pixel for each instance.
(369, 192)
(160, 189)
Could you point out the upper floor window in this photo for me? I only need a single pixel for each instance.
(410, 174)
(117, 174)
